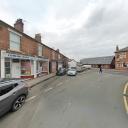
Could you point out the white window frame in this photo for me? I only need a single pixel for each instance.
(53, 55)
(59, 56)
(122, 55)
(13, 42)
(40, 50)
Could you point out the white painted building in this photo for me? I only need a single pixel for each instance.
(15, 65)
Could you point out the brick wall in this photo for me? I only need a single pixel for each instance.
(28, 46)
(47, 52)
(119, 61)
(4, 38)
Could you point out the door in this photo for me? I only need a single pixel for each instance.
(16, 70)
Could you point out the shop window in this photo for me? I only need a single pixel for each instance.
(25, 67)
(14, 41)
(39, 67)
(7, 68)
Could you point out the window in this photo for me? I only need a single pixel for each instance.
(14, 41)
(59, 56)
(53, 55)
(7, 68)
(40, 50)
(39, 67)
(122, 55)
(8, 88)
(25, 67)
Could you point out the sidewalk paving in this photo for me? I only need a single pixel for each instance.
(33, 82)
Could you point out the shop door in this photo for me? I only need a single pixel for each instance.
(60, 65)
(16, 70)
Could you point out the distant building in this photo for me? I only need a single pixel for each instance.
(121, 58)
(72, 63)
(107, 62)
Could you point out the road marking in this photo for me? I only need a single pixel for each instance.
(124, 97)
(59, 84)
(31, 98)
(47, 90)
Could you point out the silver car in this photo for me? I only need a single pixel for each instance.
(12, 95)
(71, 72)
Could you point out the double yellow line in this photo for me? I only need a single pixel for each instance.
(125, 95)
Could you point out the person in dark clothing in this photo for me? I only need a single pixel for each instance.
(100, 69)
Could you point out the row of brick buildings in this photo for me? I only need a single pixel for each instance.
(22, 56)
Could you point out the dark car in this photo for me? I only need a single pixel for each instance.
(61, 71)
(12, 95)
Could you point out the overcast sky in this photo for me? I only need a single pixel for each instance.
(79, 28)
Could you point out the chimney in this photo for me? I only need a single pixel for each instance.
(58, 50)
(19, 25)
(117, 48)
(38, 37)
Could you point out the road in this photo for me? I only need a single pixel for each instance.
(89, 100)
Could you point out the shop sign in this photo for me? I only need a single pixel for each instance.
(17, 56)
(23, 57)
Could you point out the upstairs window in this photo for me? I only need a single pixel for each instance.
(14, 41)
(122, 55)
(40, 50)
(59, 56)
(53, 55)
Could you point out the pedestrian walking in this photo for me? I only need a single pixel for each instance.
(100, 69)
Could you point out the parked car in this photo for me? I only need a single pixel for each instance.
(79, 69)
(12, 95)
(72, 72)
(61, 71)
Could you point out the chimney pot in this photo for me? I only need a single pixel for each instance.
(38, 37)
(58, 50)
(117, 48)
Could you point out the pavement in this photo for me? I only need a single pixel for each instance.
(33, 82)
(89, 100)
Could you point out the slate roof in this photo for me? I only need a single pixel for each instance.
(98, 60)
(123, 49)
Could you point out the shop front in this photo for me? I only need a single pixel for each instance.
(15, 65)
(42, 67)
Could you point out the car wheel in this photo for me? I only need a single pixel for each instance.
(18, 103)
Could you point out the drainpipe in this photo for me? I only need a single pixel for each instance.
(35, 65)
(2, 64)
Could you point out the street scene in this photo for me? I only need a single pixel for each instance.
(64, 64)
(88, 100)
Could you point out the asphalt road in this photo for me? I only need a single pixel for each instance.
(89, 100)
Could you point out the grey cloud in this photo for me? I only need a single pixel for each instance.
(105, 27)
